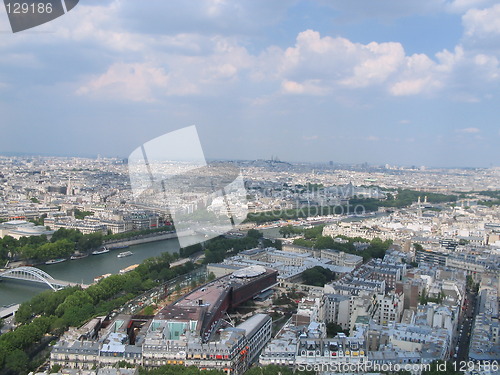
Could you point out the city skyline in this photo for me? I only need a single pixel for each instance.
(304, 81)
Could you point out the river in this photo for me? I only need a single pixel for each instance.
(85, 270)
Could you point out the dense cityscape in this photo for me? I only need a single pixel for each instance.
(337, 269)
(251, 187)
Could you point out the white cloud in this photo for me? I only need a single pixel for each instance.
(487, 66)
(419, 74)
(292, 87)
(376, 63)
(321, 65)
(134, 82)
(173, 74)
(462, 6)
(482, 23)
(194, 63)
(312, 87)
(449, 60)
(330, 62)
(315, 65)
(315, 57)
(410, 87)
(468, 130)
(466, 74)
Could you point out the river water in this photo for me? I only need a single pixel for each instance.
(85, 270)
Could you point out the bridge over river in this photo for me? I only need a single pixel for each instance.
(38, 276)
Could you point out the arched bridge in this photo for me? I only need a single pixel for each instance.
(36, 275)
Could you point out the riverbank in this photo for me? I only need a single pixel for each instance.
(86, 269)
(137, 240)
(148, 238)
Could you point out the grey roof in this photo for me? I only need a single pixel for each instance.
(253, 324)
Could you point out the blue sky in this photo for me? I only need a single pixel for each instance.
(377, 81)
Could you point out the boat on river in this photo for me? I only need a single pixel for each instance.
(55, 261)
(103, 250)
(79, 256)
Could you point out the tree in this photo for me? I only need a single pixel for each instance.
(470, 282)
(81, 214)
(178, 289)
(290, 230)
(89, 241)
(314, 232)
(124, 364)
(17, 361)
(5, 348)
(377, 248)
(423, 297)
(214, 256)
(9, 244)
(317, 276)
(55, 369)
(254, 233)
(417, 247)
(255, 370)
(148, 310)
(40, 220)
(332, 329)
(54, 311)
(62, 233)
(325, 242)
(302, 242)
(190, 250)
(132, 283)
(76, 308)
(313, 276)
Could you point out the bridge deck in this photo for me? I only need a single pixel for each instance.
(68, 283)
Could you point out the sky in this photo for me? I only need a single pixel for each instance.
(377, 81)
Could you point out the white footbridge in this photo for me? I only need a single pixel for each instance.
(38, 276)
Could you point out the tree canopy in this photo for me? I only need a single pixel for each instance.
(317, 276)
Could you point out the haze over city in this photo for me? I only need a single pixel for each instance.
(352, 82)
